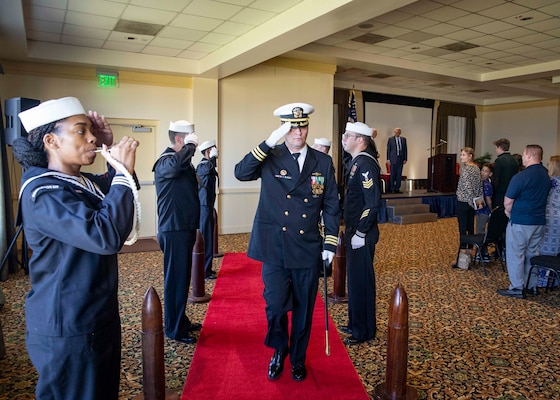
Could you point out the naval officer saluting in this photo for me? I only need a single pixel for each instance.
(297, 183)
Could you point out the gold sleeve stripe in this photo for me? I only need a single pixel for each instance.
(258, 153)
(331, 239)
(365, 214)
(367, 184)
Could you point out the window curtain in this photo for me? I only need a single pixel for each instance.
(442, 127)
(456, 128)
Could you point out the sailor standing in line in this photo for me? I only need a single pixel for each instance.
(297, 183)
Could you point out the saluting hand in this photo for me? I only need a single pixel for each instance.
(100, 128)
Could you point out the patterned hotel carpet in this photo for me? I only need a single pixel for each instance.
(465, 341)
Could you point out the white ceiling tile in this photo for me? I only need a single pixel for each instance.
(350, 44)
(485, 40)
(82, 41)
(468, 21)
(464, 35)
(552, 9)
(504, 45)
(438, 42)
(542, 53)
(92, 33)
(212, 9)
(392, 31)
(233, 28)
(192, 55)
(476, 5)
(252, 17)
(535, 3)
(374, 49)
(44, 36)
(514, 33)
(551, 43)
(96, 7)
(421, 7)
(544, 25)
(144, 14)
(168, 5)
(128, 38)
(504, 10)
(46, 13)
(479, 51)
(535, 38)
(161, 51)
(43, 26)
(121, 46)
(204, 47)
(274, 6)
(171, 43)
(196, 22)
(528, 18)
(446, 14)
(92, 21)
(514, 59)
(417, 23)
(395, 53)
(181, 33)
(492, 27)
(415, 57)
(396, 43)
(441, 29)
(217, 38)
(393, 17)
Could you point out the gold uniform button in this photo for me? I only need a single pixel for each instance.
(289, 196)
(304, 215)
(284, 228)
(305, 201)
(301, 232)
(286, 213)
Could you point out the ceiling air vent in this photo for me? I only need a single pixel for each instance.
(138, 28)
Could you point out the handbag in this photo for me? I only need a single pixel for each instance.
(464, 260)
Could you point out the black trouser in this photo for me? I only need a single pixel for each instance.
(207, 230)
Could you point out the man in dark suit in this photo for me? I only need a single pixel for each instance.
(178, 219)
(297, 183)
(397, 155)
(208, 177)
(505, 166)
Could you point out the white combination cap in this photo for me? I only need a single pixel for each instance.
(360, 128)
(181, 126)
(323, 142)
(295, 113)
(50, 111)
(207, 145)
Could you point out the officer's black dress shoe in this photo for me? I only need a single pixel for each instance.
(517, 293)
(187, 339)
(299, 373)
(345, 329)
(276, 365)
(351, 340)
(193, 326)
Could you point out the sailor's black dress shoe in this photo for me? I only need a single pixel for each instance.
(276, 365)
(194, 326)
(351, 340)
(187, 339)
(517, 293)
(345, 329)
(299, 373)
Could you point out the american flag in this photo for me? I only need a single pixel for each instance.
(352, 116)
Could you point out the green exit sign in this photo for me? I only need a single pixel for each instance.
(107, 80)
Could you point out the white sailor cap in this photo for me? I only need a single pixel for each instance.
(181, 126)
(295, 113)
(50, 111)
(360, 128)
(323, 142)
(207, 145)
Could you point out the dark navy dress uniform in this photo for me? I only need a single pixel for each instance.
(208, 177)
(178, 218)
(361, 205)
(286, 237)
(72, 310)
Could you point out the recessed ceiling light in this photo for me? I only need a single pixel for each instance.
(365, 26)
(414, 48)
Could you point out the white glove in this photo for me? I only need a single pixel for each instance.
(327, 255)
(278, 134)
(191, 139)
(356, 242)
(213, 152)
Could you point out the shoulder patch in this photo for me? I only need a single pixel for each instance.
(37, 191)
(367, 183)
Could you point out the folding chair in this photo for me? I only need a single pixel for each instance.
(549, 263)
(495, 229)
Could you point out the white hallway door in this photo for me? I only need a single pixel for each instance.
(145, 132)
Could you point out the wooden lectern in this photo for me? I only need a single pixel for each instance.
(442, 175)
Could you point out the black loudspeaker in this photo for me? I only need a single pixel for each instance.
(14, 128)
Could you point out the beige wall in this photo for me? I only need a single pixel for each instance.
(247, 102)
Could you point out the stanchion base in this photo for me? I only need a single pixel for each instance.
(380, 393)
(218, 255)
(335, 299)
(169, 395)
(200, 299)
